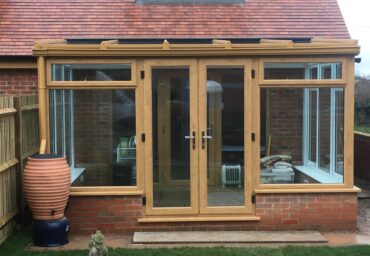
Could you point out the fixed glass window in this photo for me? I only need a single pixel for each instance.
(96, 131)
(314, 71)
(302, 135)
(91, 72)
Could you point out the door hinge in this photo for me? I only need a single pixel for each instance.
(142, 74)
(253, 199)
(143, 137)
(253, 73)
(143, 199)
(253, 136)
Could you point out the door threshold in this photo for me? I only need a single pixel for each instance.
(229, 237)
(198, 219)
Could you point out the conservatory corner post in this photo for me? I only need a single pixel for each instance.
(349, 122)
(42, 103)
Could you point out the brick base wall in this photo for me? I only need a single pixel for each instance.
(119, 214)
(18, 81)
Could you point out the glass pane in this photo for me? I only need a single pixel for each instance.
(313, 73)
(312, 111)
(339, 131)
(284, 119)
(91, 72)
(284, 71)
(225, 120)
(171, 150)
(96, 130)
(324, 130)
(326, 72)
(60, 130)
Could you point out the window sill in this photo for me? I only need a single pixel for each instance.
(97, 191)
(320, 175)
(198, 219)
(304, 190)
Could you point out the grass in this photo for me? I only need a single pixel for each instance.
(362, 128)
(17, 243)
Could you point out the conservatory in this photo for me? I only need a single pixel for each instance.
(206, 130)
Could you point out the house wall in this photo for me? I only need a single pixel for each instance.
(93, 148)
(285, 122)
(316, 211)
(18, 82)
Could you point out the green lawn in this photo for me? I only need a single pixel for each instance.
(362, 128)
(15, 246)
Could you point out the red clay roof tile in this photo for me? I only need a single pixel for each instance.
(23, 21)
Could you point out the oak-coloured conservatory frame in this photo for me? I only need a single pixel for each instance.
(317, 50)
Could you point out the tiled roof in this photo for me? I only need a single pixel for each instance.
(23, 21)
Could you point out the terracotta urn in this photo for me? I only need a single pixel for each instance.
(46, 183)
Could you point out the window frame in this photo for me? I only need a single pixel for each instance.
(315, 165)
(346, 82)
(309, 82)
(101, 190)
(135, 84)
(120, 84)
(307, 113)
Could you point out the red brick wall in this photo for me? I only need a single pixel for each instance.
(93, 133)
(119, 214)
(18, 81)
(286, 119)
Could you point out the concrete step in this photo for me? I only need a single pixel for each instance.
(187, 237)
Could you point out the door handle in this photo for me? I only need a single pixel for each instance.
(204, 138)
(191, 137)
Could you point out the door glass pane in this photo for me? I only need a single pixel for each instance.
(171, 150)
(225, 128)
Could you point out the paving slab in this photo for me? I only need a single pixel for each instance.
(197, 237)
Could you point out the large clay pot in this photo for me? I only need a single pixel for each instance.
(46, 183)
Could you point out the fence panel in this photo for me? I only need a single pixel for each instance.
(8, 167)
(362, 153)
(19, 138)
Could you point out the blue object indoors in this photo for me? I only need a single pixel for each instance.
(50, 233)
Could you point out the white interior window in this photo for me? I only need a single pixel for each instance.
(320, 162)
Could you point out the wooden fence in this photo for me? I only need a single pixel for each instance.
(362, 156)
(19, 138)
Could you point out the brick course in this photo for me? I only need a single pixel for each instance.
(318, 211)
(18, 81)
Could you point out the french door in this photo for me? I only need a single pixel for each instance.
(197, 156)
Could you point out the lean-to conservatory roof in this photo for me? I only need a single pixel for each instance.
(194, 47)
(24, 21)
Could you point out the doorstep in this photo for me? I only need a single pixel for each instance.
(201, 237)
